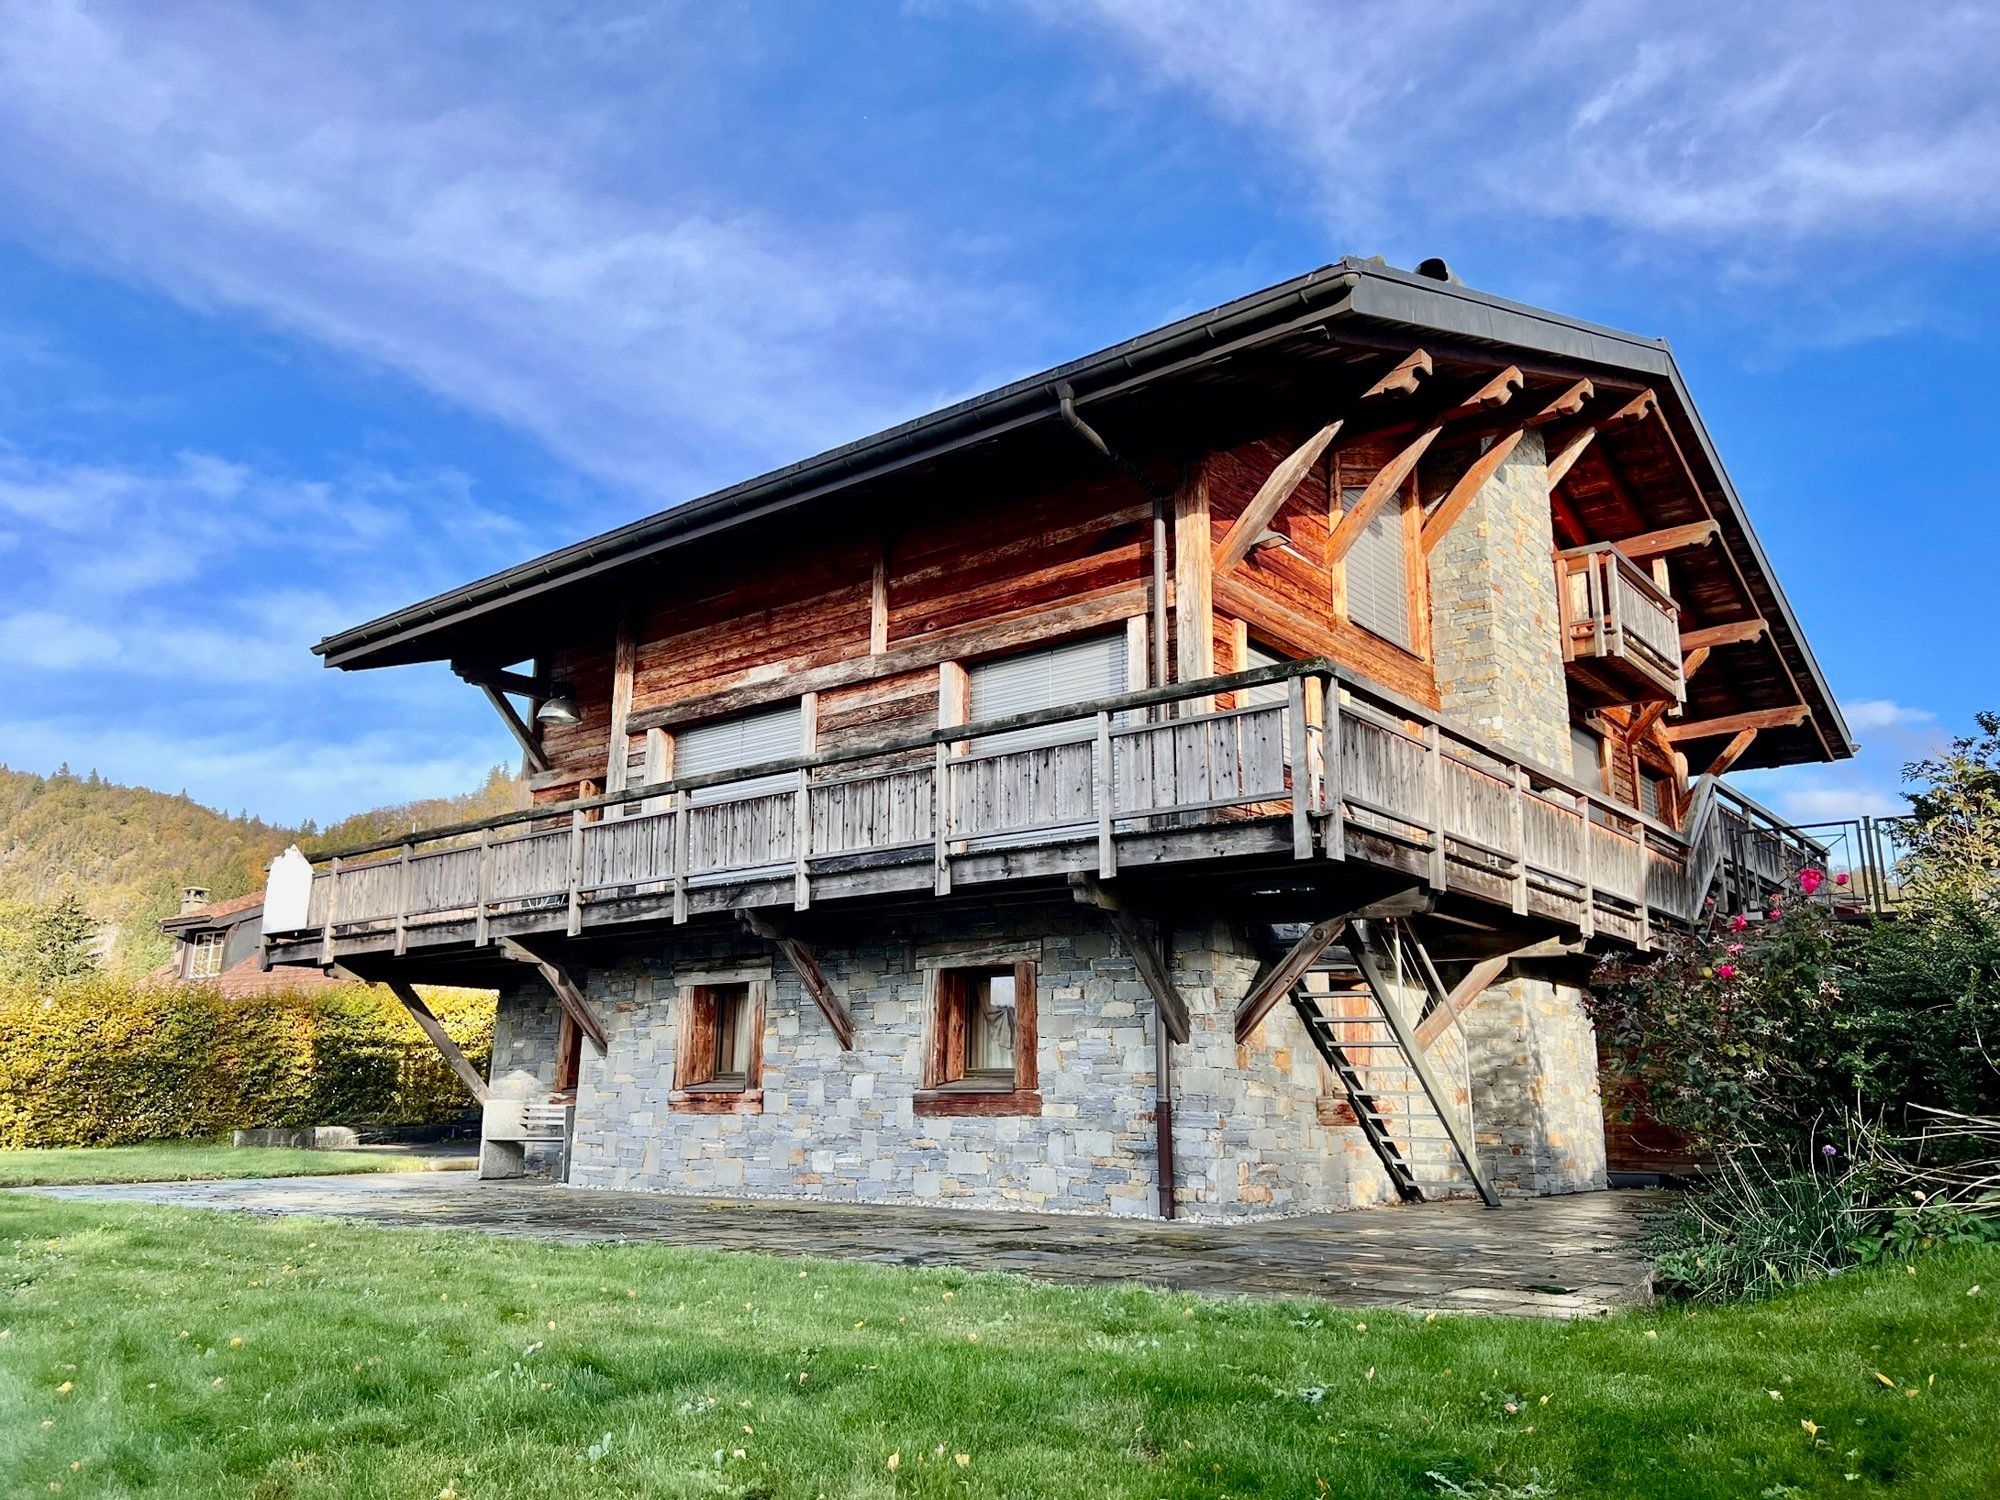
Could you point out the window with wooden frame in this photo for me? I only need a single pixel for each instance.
(980, 1051)
(719, 1048)
(205, 954)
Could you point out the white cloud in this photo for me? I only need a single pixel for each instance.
(1884, 713)
(1790, 122)
(51, 642)
(436, 189)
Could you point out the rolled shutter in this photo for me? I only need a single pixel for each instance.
(745, 740)
(1378, 580)
(1075, 672)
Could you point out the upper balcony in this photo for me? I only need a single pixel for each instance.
(1621, 632)
(1293, 774)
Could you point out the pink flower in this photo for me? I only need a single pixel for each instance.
(1776, 913)
(1735, 948)
(1725, 971)
(1811, 879)
(1841, 878)
(1738, 922)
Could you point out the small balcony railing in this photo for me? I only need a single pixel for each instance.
(1621, 632)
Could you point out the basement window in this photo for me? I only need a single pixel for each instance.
(718, 1056)
(980, 1056)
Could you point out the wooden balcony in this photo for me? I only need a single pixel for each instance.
(1621, 632)
(1334, 778)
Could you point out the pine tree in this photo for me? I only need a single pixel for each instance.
(61, 948)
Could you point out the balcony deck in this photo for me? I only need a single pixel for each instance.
(1335, 780)
(1620, 630)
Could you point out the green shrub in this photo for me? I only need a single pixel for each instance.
(102, 1062)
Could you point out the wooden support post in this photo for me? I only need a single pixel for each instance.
(1270, 499)
(1335, 779)
(575, 887)
(1741, 741)
(1301, 767)
(531, 751)
(481, 920)
(1446, 513)
(1194, 584)
(1105, 793)
(569, 994)
(811, 977)
(432, 1028)
(802, 805)
(1388, 481)
(682, 842)
(1434, 752)
(1150, 960)
(941, 821)
(1587, 863)
(1276, 981)
(403, 900)
(624, 664)
(332, 911)
(1519, 820)
(1645, 890)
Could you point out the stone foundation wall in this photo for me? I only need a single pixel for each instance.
(1538, 1116)
(1249, 1138)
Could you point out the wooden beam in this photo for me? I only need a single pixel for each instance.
(1640, 407)
(568, 994)
(1461, 495)
(811, 976)
(1732, 752)
(530, 749)
(1735, 633)
(1352, 522)
(1270, 499)
(1761, 718)
(1497, 391)
(1403, 377)
(1194, 579)
(878, 603)
(618, 744)
(1651, 544)
(1566, 404)
(1571, 450)
(431, 1027)
(1476, 982)
(1277, 980)
(1644, 720)
(1147, 957)
(1692, 662)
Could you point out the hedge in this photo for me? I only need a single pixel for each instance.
(102, 1062)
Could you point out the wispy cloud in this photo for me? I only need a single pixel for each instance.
(440, 190)
(1728, 126)
(1885, 713)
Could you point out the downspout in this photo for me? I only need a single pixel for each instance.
(1163, 1045)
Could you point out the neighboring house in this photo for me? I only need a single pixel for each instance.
(218, 945)
(1198, 779)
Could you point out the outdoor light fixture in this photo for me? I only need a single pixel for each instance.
(1274, 541)
(559, 707)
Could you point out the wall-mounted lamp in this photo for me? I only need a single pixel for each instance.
(1274, 541)
(559, 707)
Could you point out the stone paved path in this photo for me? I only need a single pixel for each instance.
(1554, 1257)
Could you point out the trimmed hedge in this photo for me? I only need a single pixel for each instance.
(106, 1063)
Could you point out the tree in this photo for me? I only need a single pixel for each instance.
(61, 947)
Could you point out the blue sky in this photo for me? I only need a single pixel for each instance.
(307, 311)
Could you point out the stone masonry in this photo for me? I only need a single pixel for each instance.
(1495, 625)
(1249, 1139)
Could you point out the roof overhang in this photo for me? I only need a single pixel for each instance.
(1352, 296)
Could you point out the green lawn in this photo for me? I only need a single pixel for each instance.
(161, 1351)
(176, 1161)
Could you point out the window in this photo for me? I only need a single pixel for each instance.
(745, 740)
(1652, 794)
(980, 1058)
(205, 957)
(1586, 756)
(1075, 672)
(719, 1047)
(1256, 654)
(1377, 573)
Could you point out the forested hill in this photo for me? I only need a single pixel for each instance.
(126, 851)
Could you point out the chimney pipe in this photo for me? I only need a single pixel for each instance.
(193, 896)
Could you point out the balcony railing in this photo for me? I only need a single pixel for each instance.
(1621, 632)
(1337, 770)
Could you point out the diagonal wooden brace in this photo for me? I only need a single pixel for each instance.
(1147, 956)
(800, 957)
(431, 1026)
(569, 995)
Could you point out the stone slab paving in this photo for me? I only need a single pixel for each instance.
(1552, 1257)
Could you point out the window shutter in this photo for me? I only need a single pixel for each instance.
(1075, 672)
(1650, 783)
(1378, 580)
(1269, 693)
(1586, 757)
(746, 740)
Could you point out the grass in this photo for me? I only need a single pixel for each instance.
(179, 1161)
(163, 1351)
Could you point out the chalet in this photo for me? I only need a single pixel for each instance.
(1198, 779)
(218, 943)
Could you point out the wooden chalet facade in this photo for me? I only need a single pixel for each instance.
(1197, 779)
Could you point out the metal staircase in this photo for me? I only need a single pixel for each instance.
(1353, 1002)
